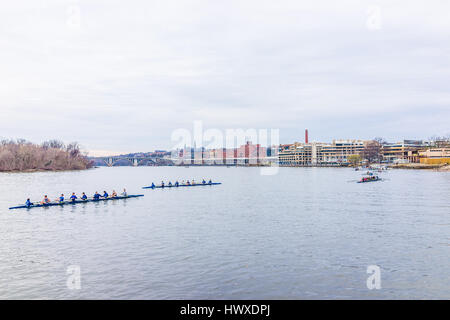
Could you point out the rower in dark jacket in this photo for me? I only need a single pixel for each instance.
(28, 203)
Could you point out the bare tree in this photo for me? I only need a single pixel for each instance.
(73, 149)
(54, 144)
(380, 140)
(51, 155)
(372, 151)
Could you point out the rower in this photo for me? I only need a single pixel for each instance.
(84, 196)
(153, 185)
(124, 193)
(188, 183)
(193, 181)
(46, 200)
(96, 196)
(105, 194)
(61, 198)
(162, 184)
(209, 182)
(114, 194)
(203, 181)
(183, 183)
(176, 183)
(28, 203)
(73, 197)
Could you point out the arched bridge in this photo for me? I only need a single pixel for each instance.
(136, 161)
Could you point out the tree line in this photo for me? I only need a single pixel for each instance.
(22, 155)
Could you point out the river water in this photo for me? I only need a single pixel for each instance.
(303, 233)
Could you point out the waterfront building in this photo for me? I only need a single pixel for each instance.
(317, 153)
(435, 156)
(413, 156)
(306, 153)
(251, 153)
(405, 150)
(216, 156)
(231, 156)
(301, 154)
(185, 156)
(338, 152)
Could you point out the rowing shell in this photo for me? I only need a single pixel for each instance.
(52, 204)
(369, 180)
(183, 185)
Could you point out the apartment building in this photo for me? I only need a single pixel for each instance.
(296, 154)
(317, 153)
(251, 153)
(338, 151)
(404, 150)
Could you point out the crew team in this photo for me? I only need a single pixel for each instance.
(83, 197)
(176, 184)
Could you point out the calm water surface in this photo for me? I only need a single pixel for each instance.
(305, 233)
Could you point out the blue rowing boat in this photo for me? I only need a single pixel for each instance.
(53, 204)
(183, 185)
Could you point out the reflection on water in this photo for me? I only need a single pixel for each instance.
(303, 233)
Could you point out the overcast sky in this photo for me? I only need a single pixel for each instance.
(120, 76)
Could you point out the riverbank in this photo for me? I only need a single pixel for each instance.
(43, 170)
(422, 166)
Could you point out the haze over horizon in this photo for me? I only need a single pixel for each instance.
(121, 77)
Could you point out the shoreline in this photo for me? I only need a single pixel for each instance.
(43, 170)
(407, 166)
(422, 166)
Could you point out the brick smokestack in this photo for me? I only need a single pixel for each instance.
(306, 136)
